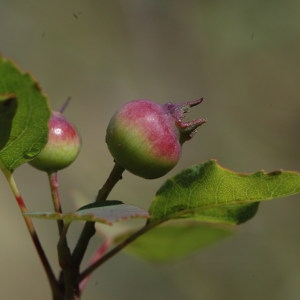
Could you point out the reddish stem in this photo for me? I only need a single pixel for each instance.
(98, 254)
(53, 181)
(33, 234)
(97, 263)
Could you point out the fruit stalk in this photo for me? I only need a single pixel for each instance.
(88, 230)
(53, 182)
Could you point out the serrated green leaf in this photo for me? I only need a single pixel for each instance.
(24, 115)
(175, 240)
(212, 193)
(104, 212)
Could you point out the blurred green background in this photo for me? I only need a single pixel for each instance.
(243, 57)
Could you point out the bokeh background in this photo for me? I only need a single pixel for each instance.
(242, 56)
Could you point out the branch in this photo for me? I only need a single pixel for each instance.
(89, 227)
(33, 234)
(148, 226)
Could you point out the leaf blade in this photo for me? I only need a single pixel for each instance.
(172, 241)
(208, 191)
(26, 128)
(106, 214)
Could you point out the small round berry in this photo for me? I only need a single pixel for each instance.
(146, 138)
(62, 148)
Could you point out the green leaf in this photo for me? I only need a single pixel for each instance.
(212, 193)
(24, 115)
(172, 241)
(106, 212)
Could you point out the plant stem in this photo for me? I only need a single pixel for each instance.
(33, 234)
(98, 254)
(112, 180)
(56, 198)
(89, 227)
(69, 279)
(70, 271)
(118, 248)
(70, 263)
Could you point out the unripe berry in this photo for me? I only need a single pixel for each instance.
(62, 147)
(146, 138)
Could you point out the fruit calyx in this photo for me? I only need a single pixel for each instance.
(178, 110)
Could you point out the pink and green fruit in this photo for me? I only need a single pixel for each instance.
(62, 147)
(146, 138)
